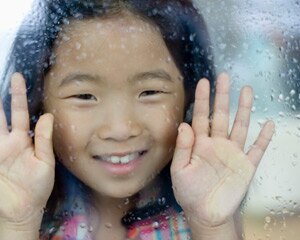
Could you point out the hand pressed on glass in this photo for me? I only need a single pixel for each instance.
(26, 170)
(210, 171)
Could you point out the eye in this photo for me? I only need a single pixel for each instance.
(150, 92)
(85, 96)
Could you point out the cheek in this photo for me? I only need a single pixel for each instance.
(165, 123)
(174, 115)
(175, 111)
(68, 137)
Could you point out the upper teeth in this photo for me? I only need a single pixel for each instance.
(118, 159)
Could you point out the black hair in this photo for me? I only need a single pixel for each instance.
(182, 27)
(180, 24)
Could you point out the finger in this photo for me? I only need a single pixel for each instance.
(43, 139)
(241, 123)
(220, 118)
(183, 149)
(3, 122)
(19, 108)
(200, 122)
(259, 147)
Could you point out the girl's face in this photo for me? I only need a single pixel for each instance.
(117, 98)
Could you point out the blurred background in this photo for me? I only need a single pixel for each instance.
(257, 43)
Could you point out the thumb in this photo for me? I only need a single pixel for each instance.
(43, 139)
(183, 149)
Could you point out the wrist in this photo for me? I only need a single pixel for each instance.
(25, 230)
(16, 232)
(224, 231)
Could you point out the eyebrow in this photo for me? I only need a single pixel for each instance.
(159, 73)
(79, 77)
(83, 77)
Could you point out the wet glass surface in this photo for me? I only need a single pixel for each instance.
(257, 43)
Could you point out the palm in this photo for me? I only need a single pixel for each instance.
(210, 171)
(210, 179)
(26, 180)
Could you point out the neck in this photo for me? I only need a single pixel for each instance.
(111, 210)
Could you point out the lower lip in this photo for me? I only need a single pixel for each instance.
(119, 168)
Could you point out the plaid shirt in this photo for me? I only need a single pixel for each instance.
(170, 225)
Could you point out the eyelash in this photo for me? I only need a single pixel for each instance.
(150, 92)
(86, 96)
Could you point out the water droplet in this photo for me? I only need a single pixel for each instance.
(155, 225)
(280, 97)
(272, 211)
(108, 225)
(126, 201)
(261, 122)
(52, 230)
(169, 59)
(279, 198)
(78, 45)
(222, 46)
(294, 163)
(162, 201)
(292, 92)
(285, 210)
(192, 37)
(268, 219)
(31, 133)
(82, 225)
(66, 38)
(72, 158)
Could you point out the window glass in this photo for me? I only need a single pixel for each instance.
(11, 16)
(257, 43)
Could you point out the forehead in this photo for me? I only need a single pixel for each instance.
(119, 32)
(125, 22)
(99, 46)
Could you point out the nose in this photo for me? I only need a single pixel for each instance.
(120, 124)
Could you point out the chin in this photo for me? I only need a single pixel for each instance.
(119, 192)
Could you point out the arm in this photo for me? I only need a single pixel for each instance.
(210, 164)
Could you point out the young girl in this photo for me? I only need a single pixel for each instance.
(110, 87)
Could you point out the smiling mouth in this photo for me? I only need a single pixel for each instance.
(117, 159)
